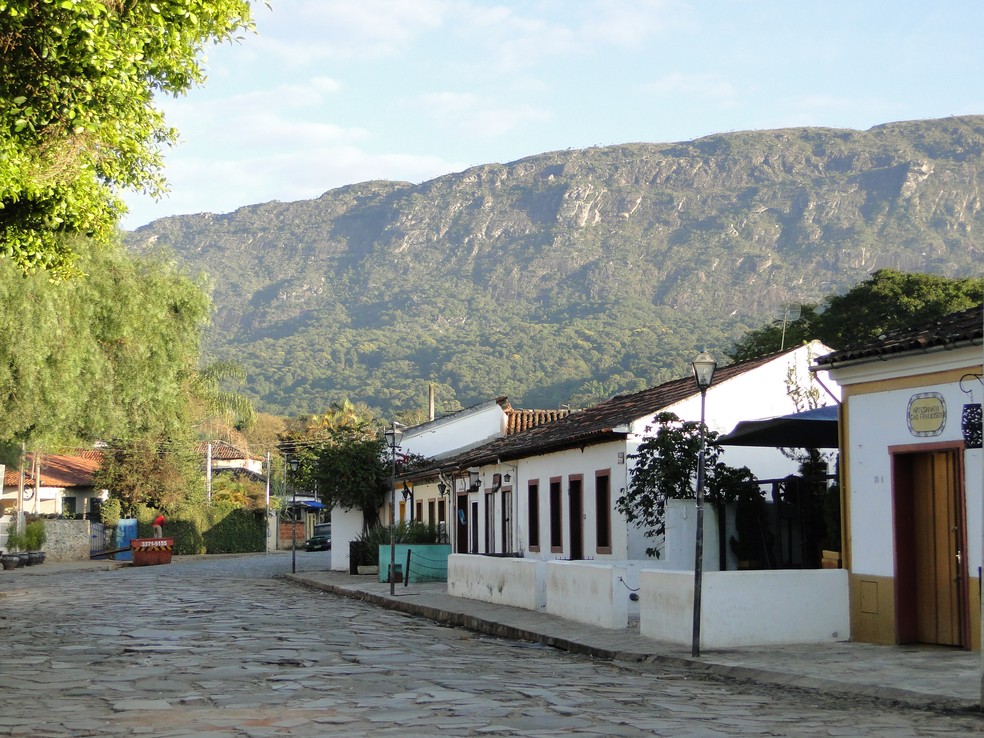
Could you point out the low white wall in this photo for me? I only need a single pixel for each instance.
(346, 526)
(502, 580)
(589, 593)
(752, 608)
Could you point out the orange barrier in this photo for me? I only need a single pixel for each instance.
(151, 551)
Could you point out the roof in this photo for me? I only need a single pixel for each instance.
(222, 451)
(518, 421)
(963, 328)
(602, 422)
(58, 470)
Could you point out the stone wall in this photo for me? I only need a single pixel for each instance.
(72, 540)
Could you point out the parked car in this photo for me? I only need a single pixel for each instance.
(318, 543)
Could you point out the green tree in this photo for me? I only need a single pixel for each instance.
(106, 356)
(888, 300)
(78, 120)
(891, 300)
(665, 467)
(156, 472)
(351, 472)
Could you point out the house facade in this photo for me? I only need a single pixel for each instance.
(912, 482)
(59, 484)
(550, 492)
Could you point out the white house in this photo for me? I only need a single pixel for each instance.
(911, 466)
(549, 493)
(548, 496)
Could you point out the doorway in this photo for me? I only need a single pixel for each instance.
(930, 549)
(576, 493)
(507, 532)
(461, 525)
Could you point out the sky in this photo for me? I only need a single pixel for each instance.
(329, 93)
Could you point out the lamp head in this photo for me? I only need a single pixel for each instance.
(293, 463)
(703, 366)
(394, 434)
(474, 478)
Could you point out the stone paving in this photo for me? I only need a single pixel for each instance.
(926, 676)
(220, 647)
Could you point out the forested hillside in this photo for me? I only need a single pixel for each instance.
(571, 276)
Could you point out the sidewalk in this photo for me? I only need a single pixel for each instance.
(919, 676)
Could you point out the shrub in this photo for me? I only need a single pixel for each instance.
(34, 535)
(413, 532)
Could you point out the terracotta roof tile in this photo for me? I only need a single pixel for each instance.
(222, 451)
(58, 470)
(518, 420)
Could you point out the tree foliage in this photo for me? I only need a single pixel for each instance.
(154, 472)
(665, 467)
(110, 355)
(887, 300)
(78, 120)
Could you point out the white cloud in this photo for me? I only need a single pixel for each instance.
(342, 29)
(472, 115)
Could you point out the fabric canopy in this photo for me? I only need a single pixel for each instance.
(311, 503)
(808, 429)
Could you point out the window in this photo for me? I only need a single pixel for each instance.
(533, 513)
(556, 516)
(603, 512)
(431, 518)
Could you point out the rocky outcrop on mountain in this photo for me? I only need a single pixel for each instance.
(583, 248)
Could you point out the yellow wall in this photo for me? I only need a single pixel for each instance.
(873, 610)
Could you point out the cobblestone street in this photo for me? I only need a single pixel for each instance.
(223, 648)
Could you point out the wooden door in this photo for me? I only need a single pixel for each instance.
(577, 517)
(931, 568)
(507, 532)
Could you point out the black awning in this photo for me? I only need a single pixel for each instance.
(808, 429)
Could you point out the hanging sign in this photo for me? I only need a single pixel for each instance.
(926, 414)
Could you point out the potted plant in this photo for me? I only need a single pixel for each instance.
(15, 542)
(10, 559)
(34, 539)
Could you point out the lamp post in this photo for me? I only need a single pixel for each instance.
(292, 464)
(393, 436)
(703, 366)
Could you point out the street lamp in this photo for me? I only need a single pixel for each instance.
(394, 434)
(703, 366)
(293, 464)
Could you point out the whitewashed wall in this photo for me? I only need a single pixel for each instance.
(758, 393)
(565, 464)
(346, 526)
(751, 608)
(588, 593)
(505, 581)
(465, 429)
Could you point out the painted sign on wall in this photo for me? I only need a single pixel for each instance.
(926, 414)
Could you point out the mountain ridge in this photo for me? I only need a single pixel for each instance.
(568, 276)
